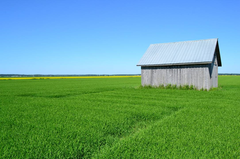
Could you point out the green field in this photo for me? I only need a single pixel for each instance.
(115, 118)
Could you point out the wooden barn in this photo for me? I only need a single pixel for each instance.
(182, 63)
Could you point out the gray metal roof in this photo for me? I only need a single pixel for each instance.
(181, 53)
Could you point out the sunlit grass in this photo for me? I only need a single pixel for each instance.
(115, 118)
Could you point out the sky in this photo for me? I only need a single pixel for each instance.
(108, 36)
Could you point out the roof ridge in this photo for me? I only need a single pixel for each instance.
(186, 41)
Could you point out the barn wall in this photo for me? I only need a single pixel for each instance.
(213, 69)
(215, 73)
(197, 75)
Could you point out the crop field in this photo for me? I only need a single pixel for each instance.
(116, 118)
(64, 77)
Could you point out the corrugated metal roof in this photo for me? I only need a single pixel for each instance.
(181, 53)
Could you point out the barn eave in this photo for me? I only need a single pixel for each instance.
(178, 64)
(217, 51)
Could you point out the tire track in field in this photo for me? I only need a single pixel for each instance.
(105, 149)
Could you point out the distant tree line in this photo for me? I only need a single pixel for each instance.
(236, 74)
(52, 75)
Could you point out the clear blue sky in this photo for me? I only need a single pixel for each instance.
(107, 36)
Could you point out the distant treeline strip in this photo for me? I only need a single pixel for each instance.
(85, 75)
(234, 74)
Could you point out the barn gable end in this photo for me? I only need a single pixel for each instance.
(182, 63)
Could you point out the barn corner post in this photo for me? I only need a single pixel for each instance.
(182, 63)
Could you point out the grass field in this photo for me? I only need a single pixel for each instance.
(115, 118)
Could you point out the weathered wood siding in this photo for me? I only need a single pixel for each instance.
(215, 73)
(200, 76)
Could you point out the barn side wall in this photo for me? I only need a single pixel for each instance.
(215, 72)
(213, 69)
(196, 75)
